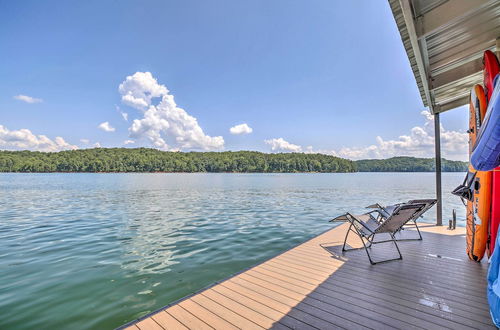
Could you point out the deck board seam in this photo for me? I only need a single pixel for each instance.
(436, 285)
(441, 274)
(361, 266)
(228, 321)
(232, 311)
(157, 323)
(339, 307)
(408, 311)
(345, 302)
(351, 285)
(384, 279)
(194, 317)
(429, 308)
(446, 288)
(383, 284)
(164, 311)
(272, 266)
(247, 307)
(258, 293)
(256, 311)
(291, 307)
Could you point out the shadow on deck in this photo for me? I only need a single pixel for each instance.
(434, 286)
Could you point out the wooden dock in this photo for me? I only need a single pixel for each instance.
(435, 286)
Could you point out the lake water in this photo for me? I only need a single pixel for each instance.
(82, 251)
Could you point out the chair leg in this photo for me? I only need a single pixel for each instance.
(369, 247)
(418, 231)
(370, 240)
(344, 249)
(412, 239)
(365, 247)
(397, 247)
(345, 239)
(393, 240)
(392, 259)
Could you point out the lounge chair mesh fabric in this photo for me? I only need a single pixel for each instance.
(366, 226)
(385, 212)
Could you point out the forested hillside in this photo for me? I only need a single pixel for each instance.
(408, 164)
(152, 160)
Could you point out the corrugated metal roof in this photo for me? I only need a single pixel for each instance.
(445, 41)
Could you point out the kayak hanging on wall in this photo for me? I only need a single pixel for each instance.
(486, 154)
(490, 70)
(478, 209)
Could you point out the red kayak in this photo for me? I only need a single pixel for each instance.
(491, 69)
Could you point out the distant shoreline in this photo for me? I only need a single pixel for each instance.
(145, 160)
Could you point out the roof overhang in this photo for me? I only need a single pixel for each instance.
(445, 41)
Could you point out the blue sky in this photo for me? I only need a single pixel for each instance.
(312, 76)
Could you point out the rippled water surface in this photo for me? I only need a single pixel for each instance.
(82, 251)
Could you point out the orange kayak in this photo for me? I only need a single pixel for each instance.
(478, 210)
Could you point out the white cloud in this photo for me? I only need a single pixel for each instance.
(27, 99)
(139, 89)
(106, 127)
(128, 141)
(164, 125)
(24, 139)
(281, 145)
(419, 143)
(85, 141)
(97, 145)
(123, 114)
(241, 129)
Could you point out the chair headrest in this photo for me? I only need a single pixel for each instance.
(424, 201)
(401, 215)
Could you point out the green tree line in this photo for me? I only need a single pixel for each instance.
(409, 164)
(152, 160)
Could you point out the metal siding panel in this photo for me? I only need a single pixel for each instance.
(458, 42)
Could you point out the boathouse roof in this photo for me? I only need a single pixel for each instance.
(445, 41)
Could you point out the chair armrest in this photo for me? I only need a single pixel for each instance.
(340, 218)
(355, 221)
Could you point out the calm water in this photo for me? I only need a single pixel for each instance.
(82, 251)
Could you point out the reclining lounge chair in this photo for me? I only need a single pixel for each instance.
(367, 227)
(385, 211)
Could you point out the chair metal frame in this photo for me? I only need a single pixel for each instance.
(367, 234)
(429, 203)
(367, 241)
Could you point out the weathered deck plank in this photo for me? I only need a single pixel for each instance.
(435, 286)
